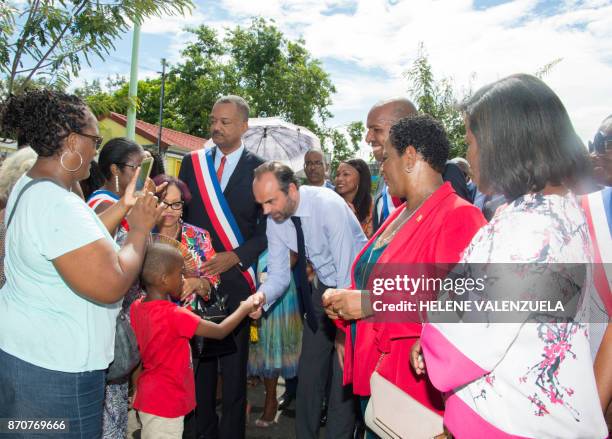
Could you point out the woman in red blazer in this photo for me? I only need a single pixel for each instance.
(432, 227)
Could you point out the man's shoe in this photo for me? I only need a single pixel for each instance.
(323, 419)
(285, 401)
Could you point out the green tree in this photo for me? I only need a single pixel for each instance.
(439, 99)
(278, 77)
(115, 97)
(33, 83)
(51, 38)
(355, 132)
(149, 93)
(89, 88)
(102, 100)
(343, 147)
(103, 103)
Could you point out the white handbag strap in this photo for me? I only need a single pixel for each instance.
(379, 361)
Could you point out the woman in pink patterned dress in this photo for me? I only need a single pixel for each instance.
(531, 377)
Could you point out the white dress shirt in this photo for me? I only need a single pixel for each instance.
(231, 161)
(332, 236)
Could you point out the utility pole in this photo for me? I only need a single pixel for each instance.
(161, 108)
(133, 90)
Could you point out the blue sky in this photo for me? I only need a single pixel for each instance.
(367, 45)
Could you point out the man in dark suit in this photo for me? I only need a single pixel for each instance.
(456, 177)
(234, 167)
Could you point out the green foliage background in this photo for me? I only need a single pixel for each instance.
(43, 43)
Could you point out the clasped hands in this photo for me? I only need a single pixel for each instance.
(259, 300)
(346, 304)
(338, 303)
(354, 305)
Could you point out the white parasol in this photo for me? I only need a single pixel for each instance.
(274, 139)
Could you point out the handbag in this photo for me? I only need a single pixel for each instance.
(127, 355)
(215, 310)
(393, 414)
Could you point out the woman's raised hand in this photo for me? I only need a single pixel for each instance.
(145, 213)
(129, 199)
(150, 186)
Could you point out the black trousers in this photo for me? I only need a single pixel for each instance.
(317, 355)
(205, 422)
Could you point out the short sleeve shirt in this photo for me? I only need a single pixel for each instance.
(44, 322)
(166, 385)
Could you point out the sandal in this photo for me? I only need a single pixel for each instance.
(264, 424)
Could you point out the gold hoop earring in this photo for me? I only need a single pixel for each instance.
(71, 170)
(116, 183)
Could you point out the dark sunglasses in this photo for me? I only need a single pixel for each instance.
(97, 139)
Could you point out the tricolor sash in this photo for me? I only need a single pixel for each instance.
(598, 209)
(221, 217)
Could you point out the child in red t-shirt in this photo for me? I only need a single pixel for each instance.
(165, 390)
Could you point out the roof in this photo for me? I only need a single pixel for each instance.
(170, 138)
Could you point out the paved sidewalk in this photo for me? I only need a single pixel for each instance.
(284, 429)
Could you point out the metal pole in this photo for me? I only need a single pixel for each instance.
(161, 108)
(133, 91)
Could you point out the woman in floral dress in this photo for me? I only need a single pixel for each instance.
(531, 377)
(277, 350)
(174, 196)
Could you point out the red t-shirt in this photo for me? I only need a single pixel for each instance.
(166, 385)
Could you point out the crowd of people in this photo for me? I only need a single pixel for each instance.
(236, 269)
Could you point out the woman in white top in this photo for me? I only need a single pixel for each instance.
(65, 275)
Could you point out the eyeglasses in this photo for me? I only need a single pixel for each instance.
(129, 165)
(97, 139)
(177, 205)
